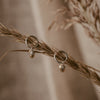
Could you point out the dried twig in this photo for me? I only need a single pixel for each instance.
(87, 71)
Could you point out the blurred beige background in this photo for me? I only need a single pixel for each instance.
(22, 78)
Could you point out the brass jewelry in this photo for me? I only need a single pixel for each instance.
(31, 42)
(61, 63)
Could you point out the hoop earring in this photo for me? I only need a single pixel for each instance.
(61, 63)
(31, 42)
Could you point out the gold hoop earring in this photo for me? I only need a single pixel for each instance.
(61, 63)
(31, 42)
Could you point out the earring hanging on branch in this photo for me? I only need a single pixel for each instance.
(61, 62)
(31, 42)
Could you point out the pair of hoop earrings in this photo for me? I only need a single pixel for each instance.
(61, 63)
(31, 42)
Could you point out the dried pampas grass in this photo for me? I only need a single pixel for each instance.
(84, 12)
(85, 70)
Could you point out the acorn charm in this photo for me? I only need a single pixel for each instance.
(31, 53)
(62, 67)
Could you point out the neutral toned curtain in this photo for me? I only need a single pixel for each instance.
(23, 78)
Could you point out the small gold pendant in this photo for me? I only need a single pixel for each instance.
(31, 53)
(62, 67)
